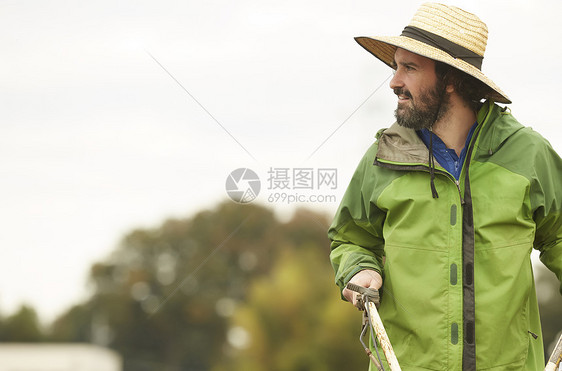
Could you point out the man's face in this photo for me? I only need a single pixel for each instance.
(418, 89)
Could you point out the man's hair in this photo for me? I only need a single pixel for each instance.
(469, 88)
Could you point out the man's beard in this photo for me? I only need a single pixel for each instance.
(430, 106)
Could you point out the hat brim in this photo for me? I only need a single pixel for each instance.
(384, 47)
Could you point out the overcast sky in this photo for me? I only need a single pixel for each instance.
(120, 114)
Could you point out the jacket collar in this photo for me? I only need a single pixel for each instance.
(402, 145)
(398, 144)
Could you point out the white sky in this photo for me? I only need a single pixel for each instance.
(96, 138)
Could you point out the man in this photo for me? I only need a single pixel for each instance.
(444, 209)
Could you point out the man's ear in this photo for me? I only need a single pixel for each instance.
(448, 78)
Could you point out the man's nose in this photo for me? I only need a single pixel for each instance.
(396, 81)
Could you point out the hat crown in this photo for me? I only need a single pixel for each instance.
(454, 24)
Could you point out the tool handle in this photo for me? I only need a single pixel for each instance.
(383, 337)
(370, 294)
(556, 356)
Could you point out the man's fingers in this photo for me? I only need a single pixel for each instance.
(366, 278)
(349, 295)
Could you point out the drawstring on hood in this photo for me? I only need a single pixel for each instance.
(431, 157)
(432, 163)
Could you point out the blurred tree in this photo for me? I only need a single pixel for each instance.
(73, 326)
(155, 299)
(22, 326)
(163, 296)
(294, 320)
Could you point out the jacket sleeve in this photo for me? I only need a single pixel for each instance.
(547, 195)
(356, 232)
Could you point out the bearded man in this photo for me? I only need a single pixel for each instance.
(446, 206)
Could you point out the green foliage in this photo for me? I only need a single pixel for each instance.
(74, 326)
(22, 326)
(293, 319)
(155, 298)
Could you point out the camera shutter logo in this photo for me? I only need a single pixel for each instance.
(243, 185)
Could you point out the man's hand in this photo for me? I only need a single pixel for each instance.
(365, 278)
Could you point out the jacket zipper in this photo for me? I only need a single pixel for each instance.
(423, 168)
(469, 352)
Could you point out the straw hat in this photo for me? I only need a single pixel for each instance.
(443, 33)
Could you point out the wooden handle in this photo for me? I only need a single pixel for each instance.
(556, 356)
(383, 338)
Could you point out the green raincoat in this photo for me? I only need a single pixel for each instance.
(458, 291)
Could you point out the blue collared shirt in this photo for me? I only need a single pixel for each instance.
(447, 157)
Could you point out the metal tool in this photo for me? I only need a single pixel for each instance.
(367, 301)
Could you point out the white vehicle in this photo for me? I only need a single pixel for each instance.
(57, 357)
